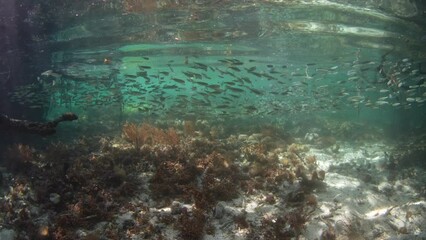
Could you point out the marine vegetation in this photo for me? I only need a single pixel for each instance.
(145, 133)
(191, 225)
(81, 184)
(349, 131)
(289, 225)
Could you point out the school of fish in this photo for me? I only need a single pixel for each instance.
(230, 86)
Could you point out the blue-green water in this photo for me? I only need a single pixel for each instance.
(228, 60)
(237, 76)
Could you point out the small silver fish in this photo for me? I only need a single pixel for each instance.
(380, 103)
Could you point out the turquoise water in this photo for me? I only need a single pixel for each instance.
(230, 61)
(251, 90)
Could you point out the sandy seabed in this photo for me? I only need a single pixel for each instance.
(354, 191)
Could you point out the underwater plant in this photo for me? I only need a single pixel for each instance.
(145, 133)
(298, 218)
(191, 225)
(171, 178)
(286, 225)
(189, 128)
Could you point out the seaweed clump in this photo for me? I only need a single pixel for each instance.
(267, 171)
(205, 179)
(191, 225)
(172, 177)
(289, 225)
(87, 182)
(72, 189)
(138, 135)
(220, 177)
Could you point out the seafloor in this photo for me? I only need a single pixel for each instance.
(198, 180)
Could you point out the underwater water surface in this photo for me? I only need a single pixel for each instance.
(213, 119)
(228, 59)
(231, 60)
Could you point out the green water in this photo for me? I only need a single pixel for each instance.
(220, 119)
(222, 60)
